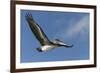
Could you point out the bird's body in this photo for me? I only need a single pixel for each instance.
(46, 44)
(46, 47)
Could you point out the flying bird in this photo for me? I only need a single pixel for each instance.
(46, 44)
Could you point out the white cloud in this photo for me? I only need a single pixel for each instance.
(81, 27)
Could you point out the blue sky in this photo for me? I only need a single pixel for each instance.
(70, 27)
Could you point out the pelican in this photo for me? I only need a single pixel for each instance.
(46, 44)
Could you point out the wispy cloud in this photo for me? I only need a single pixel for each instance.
(80, 27)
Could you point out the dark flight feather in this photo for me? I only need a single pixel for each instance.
(37, 30)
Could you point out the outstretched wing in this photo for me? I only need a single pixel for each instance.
(61, 43)
(37, 30)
